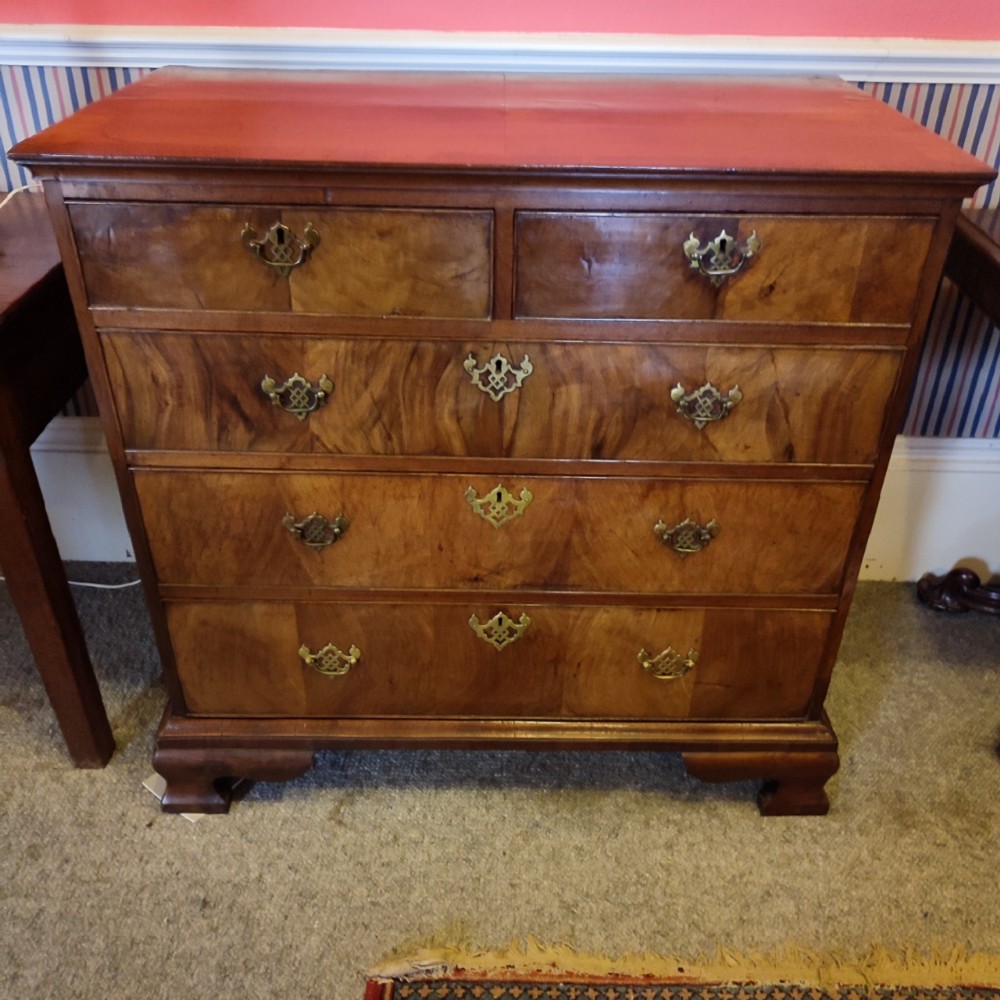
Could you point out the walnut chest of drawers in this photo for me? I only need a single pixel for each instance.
(486, 411)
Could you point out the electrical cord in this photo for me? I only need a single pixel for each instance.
(17, 190)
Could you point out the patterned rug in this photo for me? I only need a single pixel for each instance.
(616, 988)
(531, 971)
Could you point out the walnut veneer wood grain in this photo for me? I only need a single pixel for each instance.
(424, 659)
(468, 221)
(589, 401)
(419, 531)
(368, 262)
(834, 270)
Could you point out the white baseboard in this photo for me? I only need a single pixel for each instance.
(879, 59)
(940, 505)
(940, 508)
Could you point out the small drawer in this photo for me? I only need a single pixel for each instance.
(584, 401)
(414, 532)
(552, 662)
(340, 262)
(634, 266)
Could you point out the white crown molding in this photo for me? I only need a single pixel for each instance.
(876, 59)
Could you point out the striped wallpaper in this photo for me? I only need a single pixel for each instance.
(957, 393)
(32, 97)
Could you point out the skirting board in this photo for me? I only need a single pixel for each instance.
(940, 504)
(940, 508)
(81, 496)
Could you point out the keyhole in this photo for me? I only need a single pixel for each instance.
(499, 365)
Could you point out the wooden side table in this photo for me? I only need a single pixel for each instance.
(974, 258)
(41, 366)
(974, 265)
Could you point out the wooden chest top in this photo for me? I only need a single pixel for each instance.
(677, 126)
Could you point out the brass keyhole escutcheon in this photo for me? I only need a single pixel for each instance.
(499, 506)
(498, 376)
(279, 248)
(501, 630)
(722, 257)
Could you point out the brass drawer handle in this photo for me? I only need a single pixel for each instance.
(330, 661)
(668, 665)
(280, 248)
(497, 376)
(316, 531)
(296, 394)
(500, 630)
(687, 537)
(721, 257)
(705, 405)
(499, 505)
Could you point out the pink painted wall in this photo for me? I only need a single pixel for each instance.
(934, 19)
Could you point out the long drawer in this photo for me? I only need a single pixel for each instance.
(589, 401)
(344, 262)
(302, 660)
(801, 269)
(468, 532)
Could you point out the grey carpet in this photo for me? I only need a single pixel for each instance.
(304, 886)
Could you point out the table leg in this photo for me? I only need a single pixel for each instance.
(37, 583)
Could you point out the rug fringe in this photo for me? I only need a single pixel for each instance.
(880, 966)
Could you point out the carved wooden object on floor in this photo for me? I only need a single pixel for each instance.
(593, 381)
(959, 590)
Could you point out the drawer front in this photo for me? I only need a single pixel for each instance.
(468, 532)
(829, 270)
(425, 660)
(587, 401)
(367, 262)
